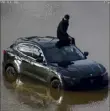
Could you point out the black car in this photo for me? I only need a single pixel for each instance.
(65, 67)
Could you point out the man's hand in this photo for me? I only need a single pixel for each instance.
(70, 38)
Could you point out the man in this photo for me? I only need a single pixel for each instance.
(62, 35)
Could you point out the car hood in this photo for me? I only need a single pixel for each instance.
(82, 68)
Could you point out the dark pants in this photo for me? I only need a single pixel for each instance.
(65, 42)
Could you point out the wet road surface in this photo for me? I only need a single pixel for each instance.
(28, 95)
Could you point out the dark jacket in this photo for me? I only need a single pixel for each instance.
(62, 30)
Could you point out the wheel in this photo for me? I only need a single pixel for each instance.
(11, 74)
(56, 84)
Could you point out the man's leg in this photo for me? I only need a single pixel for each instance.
(63, 41)
(73, 41)
(60, 44)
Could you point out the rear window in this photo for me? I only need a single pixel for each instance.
(29, 50)
(25, 49)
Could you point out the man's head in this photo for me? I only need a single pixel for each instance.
(66, 17)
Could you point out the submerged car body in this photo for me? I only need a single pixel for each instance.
(39, 58)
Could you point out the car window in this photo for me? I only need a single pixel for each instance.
(36, 52)
(25, 49)
(53, 54)
(67, 53)
(30, 50)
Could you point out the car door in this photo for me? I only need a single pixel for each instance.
(40, 70)
(26, 61)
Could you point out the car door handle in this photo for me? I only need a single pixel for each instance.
(31, 62)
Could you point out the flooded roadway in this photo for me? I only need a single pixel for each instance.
(89, 21)
(28, 95)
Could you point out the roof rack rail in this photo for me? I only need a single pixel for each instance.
(32, 37)
(50, 37)
(37, 37)
(41, 37)
(20, 39)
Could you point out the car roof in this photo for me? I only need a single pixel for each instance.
(44, 42)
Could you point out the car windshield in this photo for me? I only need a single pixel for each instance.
(66, 53)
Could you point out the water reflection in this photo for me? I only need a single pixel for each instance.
(39, 96)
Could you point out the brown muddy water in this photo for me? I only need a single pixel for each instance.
(28, 95)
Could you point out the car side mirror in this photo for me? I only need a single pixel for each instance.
(39, 59)
(86, 54)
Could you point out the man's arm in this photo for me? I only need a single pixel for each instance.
(64, 28)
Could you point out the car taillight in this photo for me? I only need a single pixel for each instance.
(4, 51)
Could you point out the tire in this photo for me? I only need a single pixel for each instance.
(11, 74)
(56, 84)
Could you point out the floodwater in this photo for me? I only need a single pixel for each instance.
(28, 95)
(89, 24)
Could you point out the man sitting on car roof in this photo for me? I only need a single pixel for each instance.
(62, 35)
